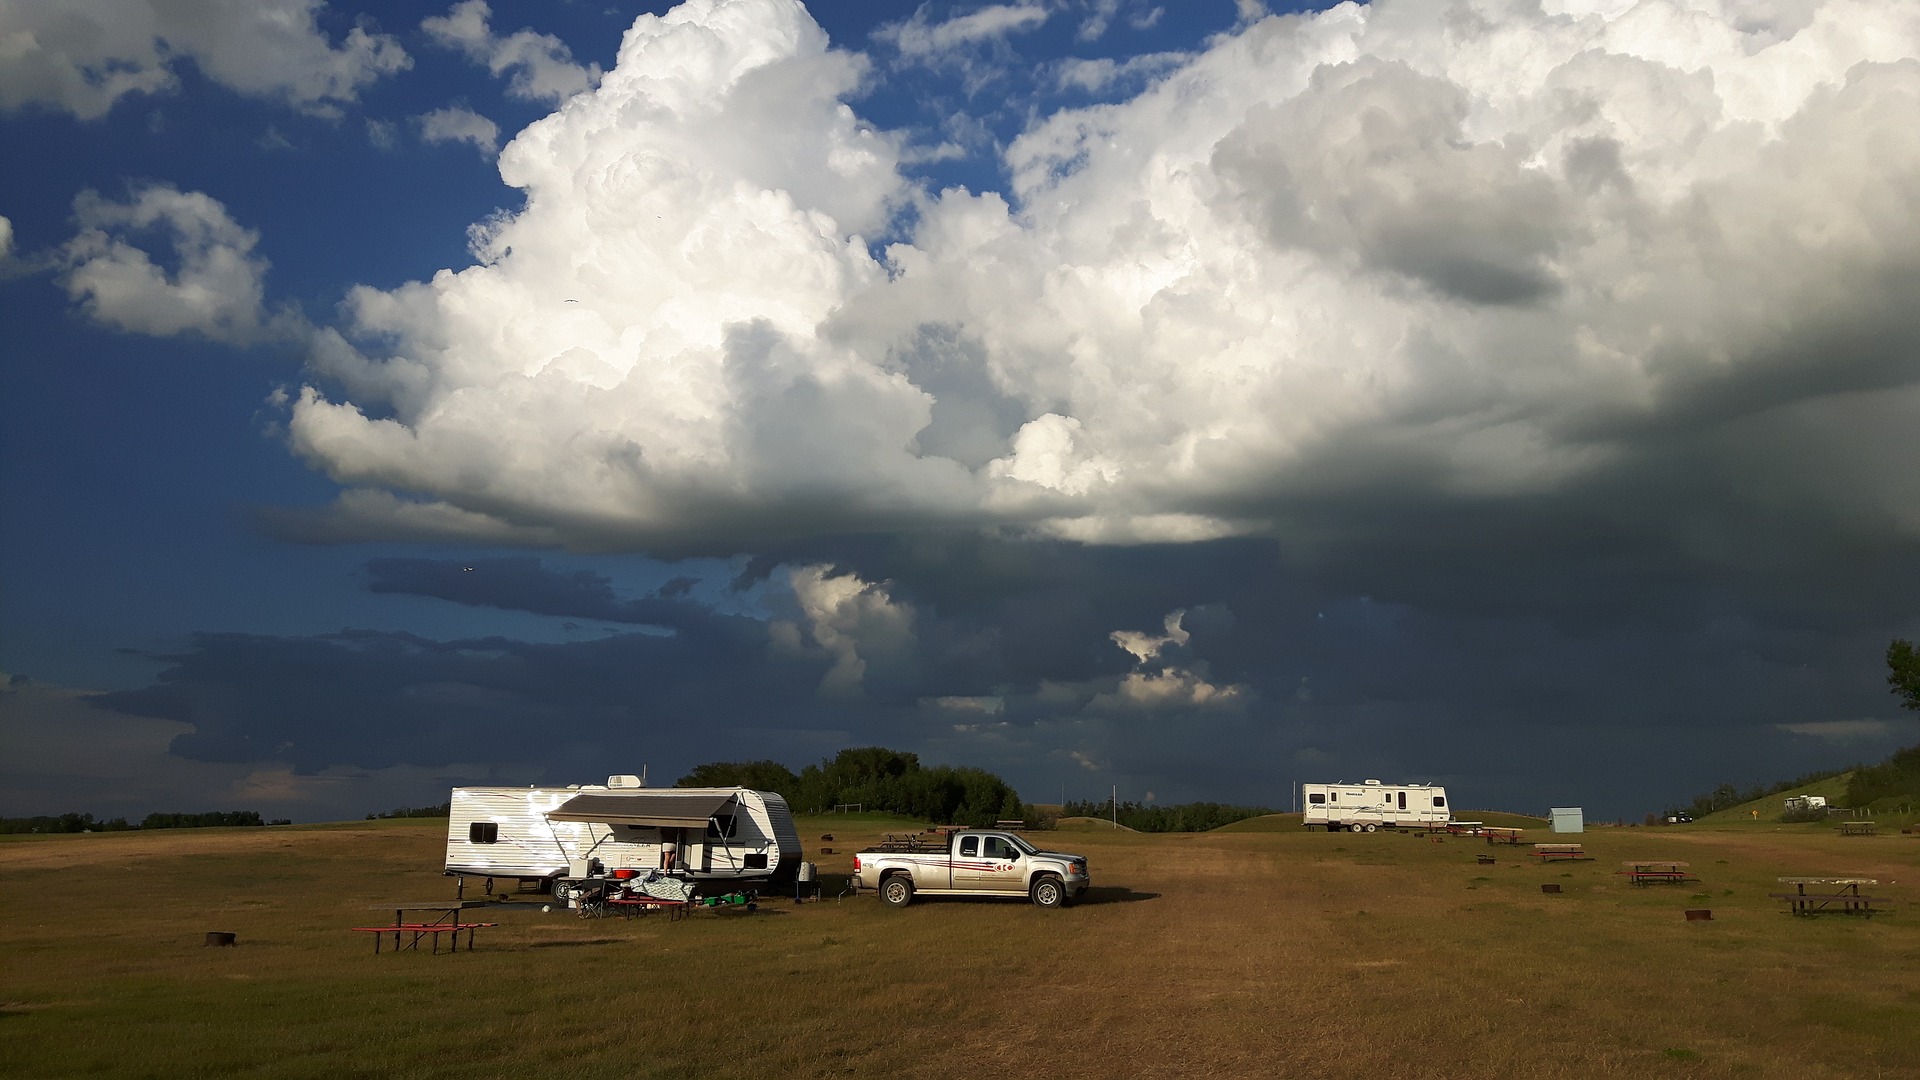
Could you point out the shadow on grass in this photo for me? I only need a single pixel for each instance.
(1115, 894)
(572, 943)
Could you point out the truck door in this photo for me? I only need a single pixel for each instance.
(988, 863)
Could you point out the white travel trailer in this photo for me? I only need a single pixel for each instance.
(724, 836)
(1371, 805)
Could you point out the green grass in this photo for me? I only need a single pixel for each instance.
(1234, 953)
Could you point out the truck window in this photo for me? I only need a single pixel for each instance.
(998, 848)
(970, 846)
(1317, 799)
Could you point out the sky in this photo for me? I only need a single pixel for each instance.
(1183, 400)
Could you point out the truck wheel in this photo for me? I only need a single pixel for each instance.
(896, 891)
(1048, 892)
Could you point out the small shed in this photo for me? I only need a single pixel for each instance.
(1568, 819)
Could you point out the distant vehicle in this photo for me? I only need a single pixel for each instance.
(972, 862)
(1371, 805)
(1679, 819)
(1806, 802)
(721, 837)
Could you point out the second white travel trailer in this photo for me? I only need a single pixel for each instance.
(713, 837)
(1371, 805)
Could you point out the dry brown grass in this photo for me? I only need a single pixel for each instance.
(1227, 954)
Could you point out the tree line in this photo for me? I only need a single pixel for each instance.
(79, 823)
(1154, 817)
(875, 778)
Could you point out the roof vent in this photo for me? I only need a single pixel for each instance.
(623, 780)
(1373, 783)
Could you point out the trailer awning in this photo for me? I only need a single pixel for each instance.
(669, 811)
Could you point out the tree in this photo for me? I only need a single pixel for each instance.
(758, 775)
(1904, 661)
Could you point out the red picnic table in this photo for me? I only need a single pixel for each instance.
(1559, 852)
(446, 920)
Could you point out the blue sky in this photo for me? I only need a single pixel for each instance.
(1195, 398)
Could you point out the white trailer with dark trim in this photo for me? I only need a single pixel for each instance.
(1371, 805)
(714, 837)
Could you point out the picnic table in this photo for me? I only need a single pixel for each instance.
(1496, 834)
(1655, 871)
(1856, 828)
(446, 920)
(1817, 895)
(1559, 852)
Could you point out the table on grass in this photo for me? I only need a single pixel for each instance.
(1498, 835)
(1856, 828)
(1655, 871)
(1821, 895)
(1559, 852)
(445, 922)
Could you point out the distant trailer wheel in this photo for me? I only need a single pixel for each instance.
(1371, 826)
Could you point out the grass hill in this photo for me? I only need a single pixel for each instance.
(1766, 809)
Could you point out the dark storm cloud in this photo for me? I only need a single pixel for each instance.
(521, 583)
(1280, 672)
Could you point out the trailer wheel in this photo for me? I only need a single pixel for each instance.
(896, 891)
(1048, 892)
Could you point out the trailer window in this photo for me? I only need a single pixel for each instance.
(1439, 800)
(1403, 800)
(969, 846)
(1317, 799)
(483, 832)
(723, 827)
(755, 861)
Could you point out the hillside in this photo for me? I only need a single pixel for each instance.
(1766, 809)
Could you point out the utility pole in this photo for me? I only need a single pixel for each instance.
(1116, 807)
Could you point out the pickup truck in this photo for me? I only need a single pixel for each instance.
(973, 862)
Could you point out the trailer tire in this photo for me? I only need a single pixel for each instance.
(1048, 892)
(896, 891)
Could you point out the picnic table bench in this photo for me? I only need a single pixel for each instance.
(446, 921)
(1496, 834)
(1559, 852)
(1655, 871)
(1819, 895)
(1857, 828)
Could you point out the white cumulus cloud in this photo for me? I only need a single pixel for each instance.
(542, 66)
(460, 124)
(1466, 251)
(82, 56)
(210, 281)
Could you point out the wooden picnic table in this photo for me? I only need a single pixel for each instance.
(1817, 895)
(1857, 828)
(1559, 852)
(446, 920)
(1655, 871)
(1497, 834)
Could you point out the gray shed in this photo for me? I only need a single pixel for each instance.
(1568, 819)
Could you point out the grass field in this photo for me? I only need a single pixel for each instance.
(1244, 952)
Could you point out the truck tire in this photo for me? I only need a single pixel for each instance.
(1048, 892)
(896, 891)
